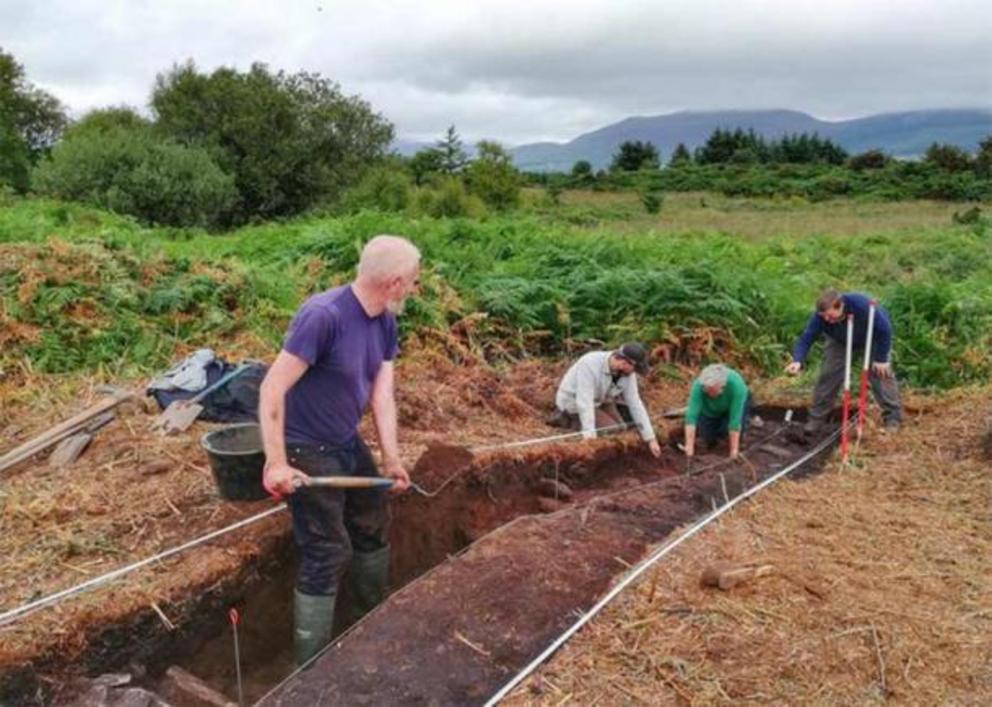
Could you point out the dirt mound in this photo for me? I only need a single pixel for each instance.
(439, 462)
(450, 396)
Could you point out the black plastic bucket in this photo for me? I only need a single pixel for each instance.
(236, 459)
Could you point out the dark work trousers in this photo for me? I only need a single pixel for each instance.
(831, 381)
(714, 429)
(328, 524)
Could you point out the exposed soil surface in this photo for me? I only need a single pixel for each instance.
(133, 495)
(454, 635)
(880, 589)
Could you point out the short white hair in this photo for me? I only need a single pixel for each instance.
(385, 257)
(714, 376)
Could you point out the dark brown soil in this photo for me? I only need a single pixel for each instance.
(461, 630)
(505, 572)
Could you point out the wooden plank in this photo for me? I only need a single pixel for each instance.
(69, 450)
(59, 432)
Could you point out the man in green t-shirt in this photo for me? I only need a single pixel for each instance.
(719, 406)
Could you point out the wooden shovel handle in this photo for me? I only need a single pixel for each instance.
(350, 482)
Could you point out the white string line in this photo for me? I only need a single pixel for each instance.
(554, 438)
(20, 612)
(647, 563)
(501, 529)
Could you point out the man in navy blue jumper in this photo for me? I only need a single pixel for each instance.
(830, 320)
(337, 358)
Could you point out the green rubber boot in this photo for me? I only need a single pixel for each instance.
(314, 622)
(368, 578)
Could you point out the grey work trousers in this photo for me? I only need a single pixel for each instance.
(831, 381)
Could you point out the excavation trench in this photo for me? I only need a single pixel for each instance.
(485, 574)
(425, 532)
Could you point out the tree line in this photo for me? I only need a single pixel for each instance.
(741, 163)
(219, 149)
(746, 147)
(227, 147)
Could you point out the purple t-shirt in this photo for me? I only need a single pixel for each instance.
(345, 348)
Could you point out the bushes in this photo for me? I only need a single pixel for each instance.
(634, 155)
(948, 158)
(384, 188)
(289, 141)
(539, 285)
(945, 327)
(870, 159)
(31, 120)
(15, 160)
(448, 198)
(224, 148)
(492, 177)
(132, 171)
(651, 200)
(897, 180)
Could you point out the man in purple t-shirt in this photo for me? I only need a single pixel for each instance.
(336, 358)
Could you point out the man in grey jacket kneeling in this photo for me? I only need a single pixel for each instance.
(600, 390)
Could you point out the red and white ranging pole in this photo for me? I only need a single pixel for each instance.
(865, 371)
(233, 617)
(846, 415)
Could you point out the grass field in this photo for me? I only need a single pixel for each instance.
(754, 219)
(709, 277)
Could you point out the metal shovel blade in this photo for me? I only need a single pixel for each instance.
(177, 417)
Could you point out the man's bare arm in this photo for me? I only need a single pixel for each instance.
(384, 412)
(283, 375)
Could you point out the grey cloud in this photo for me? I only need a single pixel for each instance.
(522, 71)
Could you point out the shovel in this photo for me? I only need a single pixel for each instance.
(182, 413)
(339, 482)
(350, 482)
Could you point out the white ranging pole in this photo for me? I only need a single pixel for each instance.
(866, 372)
(849, 354)
(846, 415)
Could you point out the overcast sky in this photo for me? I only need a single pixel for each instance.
(527, 71)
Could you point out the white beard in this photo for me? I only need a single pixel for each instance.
(396, 307)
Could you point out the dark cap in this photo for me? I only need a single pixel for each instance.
(636, 354)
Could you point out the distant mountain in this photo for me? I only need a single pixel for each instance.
(905, 134)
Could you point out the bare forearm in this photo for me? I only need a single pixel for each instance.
(690, 440)
(735, 442)
(384, 412)
(271, 417)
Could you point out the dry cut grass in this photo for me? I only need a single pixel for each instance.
(881, 590)
(134, 494)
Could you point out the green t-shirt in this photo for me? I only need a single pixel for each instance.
(730, 402)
